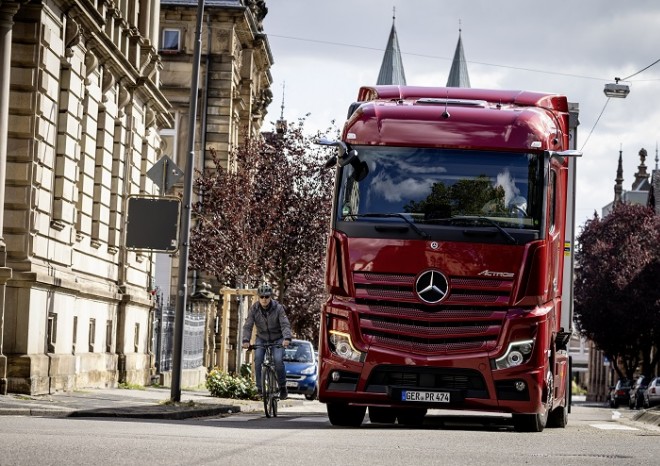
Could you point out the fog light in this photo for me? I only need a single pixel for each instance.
(335, 376)
(520, 385)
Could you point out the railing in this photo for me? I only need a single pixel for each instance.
(193, 338)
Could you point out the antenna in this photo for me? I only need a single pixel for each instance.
(445, 114)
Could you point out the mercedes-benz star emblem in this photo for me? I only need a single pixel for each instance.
(432, 286)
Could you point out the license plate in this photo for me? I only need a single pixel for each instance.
(292, 384)
(426, 397)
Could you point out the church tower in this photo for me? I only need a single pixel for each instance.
(391, 70)
(458, 74)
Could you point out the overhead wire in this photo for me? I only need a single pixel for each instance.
(340, 44)
(608, 99)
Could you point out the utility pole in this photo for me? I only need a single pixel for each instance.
(182, 292)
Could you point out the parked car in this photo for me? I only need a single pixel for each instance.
(620, 393)
(636, 398)
(652, 393)
(301, 369)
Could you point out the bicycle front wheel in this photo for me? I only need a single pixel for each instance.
(267, 390)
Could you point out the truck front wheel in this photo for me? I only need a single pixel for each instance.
(341, 414)
(529, 422)
(536, 422)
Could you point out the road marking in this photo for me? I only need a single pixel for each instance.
(612, 426)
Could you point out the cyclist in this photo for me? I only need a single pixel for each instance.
(269, 316)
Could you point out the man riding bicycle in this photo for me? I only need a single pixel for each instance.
(269, 317)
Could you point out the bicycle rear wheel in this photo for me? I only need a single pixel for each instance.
(267, 390)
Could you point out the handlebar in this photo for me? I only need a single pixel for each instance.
(265, 345)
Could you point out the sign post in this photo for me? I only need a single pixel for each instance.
(182, 291)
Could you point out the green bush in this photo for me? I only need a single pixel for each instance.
(224, 385)
(577, 389)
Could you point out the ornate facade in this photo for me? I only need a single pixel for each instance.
(234, 93)
(81, 112)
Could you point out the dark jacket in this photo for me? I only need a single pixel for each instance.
(272, 324)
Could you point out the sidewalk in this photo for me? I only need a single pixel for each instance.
(153, 403)
(150, 403)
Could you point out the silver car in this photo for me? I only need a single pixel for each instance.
(652, 393)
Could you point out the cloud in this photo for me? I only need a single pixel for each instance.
(325, 51)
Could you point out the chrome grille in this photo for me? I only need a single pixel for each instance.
(469, 320)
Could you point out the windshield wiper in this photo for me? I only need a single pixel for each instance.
(490, 222)
(414, 227)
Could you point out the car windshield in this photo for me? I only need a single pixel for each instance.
(430, 186)
(299, 352)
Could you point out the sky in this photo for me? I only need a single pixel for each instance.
(324, 50)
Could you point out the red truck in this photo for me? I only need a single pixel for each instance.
(449, 262)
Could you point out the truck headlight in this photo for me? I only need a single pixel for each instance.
(342, 346)
(516, 354)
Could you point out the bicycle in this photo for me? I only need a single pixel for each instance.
(270, 389)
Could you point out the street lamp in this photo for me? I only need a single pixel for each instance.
(616, 90)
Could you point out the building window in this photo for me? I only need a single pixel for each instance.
(136, 338)
(92, 334)
(52, 331)
(75, 334)
(108, 336)
(171, 40)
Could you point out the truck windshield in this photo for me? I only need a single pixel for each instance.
(430, 186)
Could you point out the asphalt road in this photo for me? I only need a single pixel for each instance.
(302, 435)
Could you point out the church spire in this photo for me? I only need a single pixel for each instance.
(391, 70)
(618, 187)
(458, 74)
(281, 125)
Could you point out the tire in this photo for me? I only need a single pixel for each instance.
(382, 415)
(536, 422)
(341, 414)
(312, 396)
(411, 416)
(559, 416)
(529, 422)
(268, 390)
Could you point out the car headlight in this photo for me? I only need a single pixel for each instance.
(308, 370)
(342, 346)
(516, 354)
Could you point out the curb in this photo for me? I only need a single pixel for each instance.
(157, 413)
(648, 417)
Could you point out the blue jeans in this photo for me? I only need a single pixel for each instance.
(278, 356)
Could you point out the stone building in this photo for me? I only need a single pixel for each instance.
(234, 93)
(80, 114)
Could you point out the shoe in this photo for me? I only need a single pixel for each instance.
(284, 394)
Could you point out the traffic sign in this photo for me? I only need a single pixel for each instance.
(153, 223)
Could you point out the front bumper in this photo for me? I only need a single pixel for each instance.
(384, 379)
